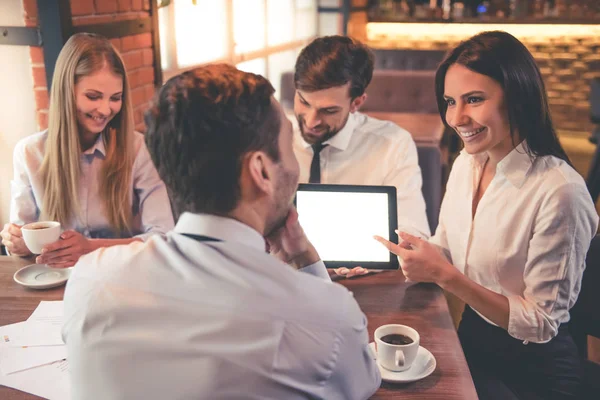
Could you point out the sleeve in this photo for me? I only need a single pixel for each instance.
(355, 374)
(564, 226)
(23, 207)
(405, 174)
(153, 202)
(317, 269)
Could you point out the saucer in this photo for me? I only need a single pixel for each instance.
(422, 367)
(41, 276)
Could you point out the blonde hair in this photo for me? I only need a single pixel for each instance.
(82, 55)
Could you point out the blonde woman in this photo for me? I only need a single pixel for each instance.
(90, 171)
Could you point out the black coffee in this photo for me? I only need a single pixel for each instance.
(396, 338)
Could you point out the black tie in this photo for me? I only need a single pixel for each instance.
(315, 165)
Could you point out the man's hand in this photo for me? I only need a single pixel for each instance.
(66, 251)
(12, 238)
(290, 244)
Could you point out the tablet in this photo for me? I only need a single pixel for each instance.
(340, 221)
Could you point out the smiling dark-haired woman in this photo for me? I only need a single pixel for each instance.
(515, 225)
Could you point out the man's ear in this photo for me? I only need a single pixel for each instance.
(357, 102)
(261, 171)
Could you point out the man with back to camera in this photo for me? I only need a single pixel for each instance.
(206, 313)
(335, 143)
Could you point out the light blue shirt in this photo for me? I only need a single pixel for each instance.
(176, 318)
(149, 200)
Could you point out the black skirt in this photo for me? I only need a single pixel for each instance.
(505, 368)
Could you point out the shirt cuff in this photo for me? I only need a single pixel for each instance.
(317, 269)
(527, 324)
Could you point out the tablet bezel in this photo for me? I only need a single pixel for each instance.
(392, 262)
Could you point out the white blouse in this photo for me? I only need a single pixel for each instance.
(149, 200)
(529, 237)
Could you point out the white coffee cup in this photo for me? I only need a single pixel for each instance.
(38, 234)
(396, 357)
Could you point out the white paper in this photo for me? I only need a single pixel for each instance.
(49, 381)
(35, 333)
(42, 328)
(14, 359)
(50, 312)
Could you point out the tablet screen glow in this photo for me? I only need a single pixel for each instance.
(341, 225)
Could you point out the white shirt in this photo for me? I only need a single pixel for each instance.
(149, 200)
(368, 151)
(176, 318)
(528, 240)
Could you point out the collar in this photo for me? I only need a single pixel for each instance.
(515, 166)
(97, 147)
(222, 228)
(341, 140)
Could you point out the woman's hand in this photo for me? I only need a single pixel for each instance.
(349, 273)
(66, 251)
(12, 238)
(420, 260)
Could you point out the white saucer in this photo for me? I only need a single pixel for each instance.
(41, 276)
(422, 367)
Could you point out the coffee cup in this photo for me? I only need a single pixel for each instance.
(38, 234)
(397, 346)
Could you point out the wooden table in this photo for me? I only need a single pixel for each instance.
(383, 297)
(386, 299)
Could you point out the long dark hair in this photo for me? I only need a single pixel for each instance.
(506, 60)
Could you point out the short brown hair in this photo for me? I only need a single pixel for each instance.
(332, 61)
(201, 125)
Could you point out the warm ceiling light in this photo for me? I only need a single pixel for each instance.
(459, 31)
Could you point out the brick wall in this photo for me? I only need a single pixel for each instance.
(136, 51)
(568, 62)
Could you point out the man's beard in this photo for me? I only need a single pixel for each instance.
(329, 131)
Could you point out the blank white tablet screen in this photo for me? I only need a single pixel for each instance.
(341, 225)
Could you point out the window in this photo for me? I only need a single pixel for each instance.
(200, 31)
(259, 36)
(279, 63)
(248, 15)
(280, 14)
(331, 21)
(256, 66)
